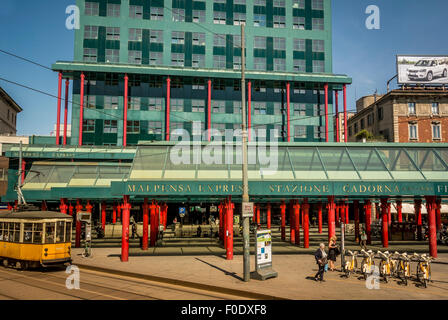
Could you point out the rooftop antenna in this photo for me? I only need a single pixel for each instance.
(20, 197)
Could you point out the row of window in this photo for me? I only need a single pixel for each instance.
(435, 110)
(436, 130)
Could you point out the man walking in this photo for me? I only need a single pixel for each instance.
(321, 259)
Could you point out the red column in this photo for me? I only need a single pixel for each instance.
(356, 212)
(23, 170)
(81, 109)
(119, 208)
(63, 207)
(385, 223)
(345, 114)
(153, 232)
(347, 213)
(337, 211)
(283, 215)
(10, 207)
(297, 222)
(336, 94)
(44, 206)
(58, 113)
(389, 214)
(225, 224)
(288, 110)
(70, 209)
(16, 202)
(103, 216)
(331, 223)
(221, 224)
(258, 215)
(145, 224)
(78, 225)
(306, 224)
(125, 117)
(125, 230)
(209, 108)
(418, 218)
(268, 216)
(114, 214)
(326, 112)
(368, 210)
(431, 208)
(89, 206)
(229, 245)
(438, 214)
(319, 216)
(67, 85)
(249, 103)
(168, 105)
(399, 211)
(292, 223)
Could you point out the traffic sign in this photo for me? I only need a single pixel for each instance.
(247, 209)
(182, 212)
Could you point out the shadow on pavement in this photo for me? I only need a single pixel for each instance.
(227, 273)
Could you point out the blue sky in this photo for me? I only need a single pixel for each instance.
(36, 30)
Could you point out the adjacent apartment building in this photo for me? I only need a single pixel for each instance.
(8, 114)
(404, 115)
(143, 68)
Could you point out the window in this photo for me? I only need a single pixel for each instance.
(178, 15)
(156, 13)
(111, 102)
(178, 37)
(198, 61)
(278, 86)
(177, 105)
(318, 66)
(198, 16)
(113, 10)
(277, 108)
(279, 3)
(135, 12)
(133, 127)
(298, 4)
(411, 107)
(219, 62)
(299, 65)
(110, 126)
(221, 127)
(32, 232)
(90, 55)
(177, 83)
(176, 126)
(219, 106)
(90, 102)
(318, 110)
(318, 24)
(92, 9)
(90, 32)
(436, 131)
(88, 126)
(319, 132)
(260, 63)
(198, 128)
(299, 109)
(260, 3)
(219, 40)
(236, 85)
(355, 127)
(155, 82)
(259, 42)
(298, 23)
(177, 59)
(317, 4)
(370, 119)
(134, 57)
(239, 18)
(156, 36)
(155, 58)
(279, 44)
(318, 46)
(362, 124)
(219, 17)
(236, 41)
(279, 64)
(259, 107)
(155, 104)
(299, 44)
(237, 107)
(134, 103)
(197, 105)
(300, 132)
(112, 56)
(380, 114)
(279, 21)
(198, 39)
(236, 62)
(198, 84)
(50, 228)
(155, 127)
(413, 131)
(259, 20)
(259, 86)
(219, 84)
(135, 34)
(239, 2)
(435, 108)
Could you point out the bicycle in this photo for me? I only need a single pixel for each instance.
(367, 263)
(352, 264)
(423, 272)
(387, 267)
(404, 267)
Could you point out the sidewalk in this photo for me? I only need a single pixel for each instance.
(293, 282)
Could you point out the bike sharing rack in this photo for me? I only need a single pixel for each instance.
(86, 218)
(263, 256)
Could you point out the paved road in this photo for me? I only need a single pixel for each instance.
(50, 285)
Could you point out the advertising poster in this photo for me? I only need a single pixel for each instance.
(423, 70)
(264, 247)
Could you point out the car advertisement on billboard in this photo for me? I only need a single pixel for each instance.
(424, 70)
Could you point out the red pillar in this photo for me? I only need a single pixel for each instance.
(119, 208)
(78, 225)
(297, 222)
(23, 171)
(347, 216)
(125, 117)
(58, 113)
(331, 223)
(292, 223)
(114, 214)
(258, 215)
(268, 216)
(337, 211)
(63, 207)
(103, 216)
(368, 210)
(306, 224)
(67, 85)
(399, 211)
(319, 216)
(225, 225)
(326, 112)
(153, 232)
(209, 108)
(431, 208)
(385, 223)
(418, 218)
(221, 222)
(229, 245)
(389, 214)
(283, 215)
(145, 224)
(156, 227)
(70, 209)
(288, 110)
(336, 93)
(125, 230)
(356, 212)
(10, 207)
(249, 104)
(438, 214)
(81, 109)
(345, 114)
(16, 202)
(168, 102)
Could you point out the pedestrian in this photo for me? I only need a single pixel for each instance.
(363, 241)
(134, 227)
(321, 259)
(333, 252)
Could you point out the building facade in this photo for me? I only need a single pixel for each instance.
(173, 62)
(8, 114)
(411, 115)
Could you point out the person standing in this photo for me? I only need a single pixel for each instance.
(332, 252)
(321, 259)
(363, 241)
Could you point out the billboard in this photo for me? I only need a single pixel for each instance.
(424, 70)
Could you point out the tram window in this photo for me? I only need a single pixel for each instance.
(17, 232)
(28, 233)
(49, 232)
(10, 233)
(37, 232)
(68, 232)
(60, 231)
(1, 231)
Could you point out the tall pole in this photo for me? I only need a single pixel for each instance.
(246, 235)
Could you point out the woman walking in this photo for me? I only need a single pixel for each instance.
(332, 252)
(321, 259)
